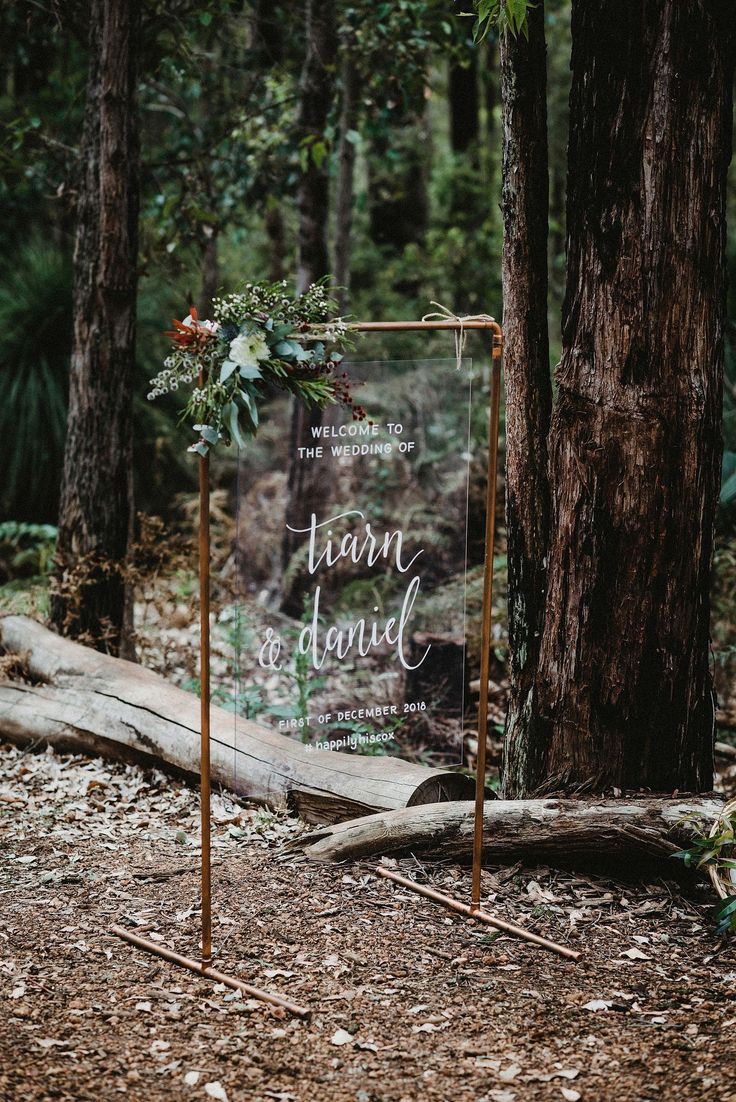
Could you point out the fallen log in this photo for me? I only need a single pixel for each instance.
(74, 698)
(529, 830)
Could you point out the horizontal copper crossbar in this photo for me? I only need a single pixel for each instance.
(210, 973)
(477, 913)
(411, 326)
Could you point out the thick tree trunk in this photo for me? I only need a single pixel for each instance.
(76, 699)
(315, 100)
(345, 177)
(95, 506)
(572, 831)
(623, 691)
(526, 357)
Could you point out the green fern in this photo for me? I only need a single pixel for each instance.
(35, 344)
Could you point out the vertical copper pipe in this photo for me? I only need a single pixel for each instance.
(480, 775)
(204, 752)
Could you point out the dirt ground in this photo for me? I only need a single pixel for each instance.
(407, 1001)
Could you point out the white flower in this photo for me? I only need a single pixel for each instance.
(248, 348)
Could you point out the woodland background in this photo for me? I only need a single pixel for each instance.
(375, 142)
(376, 129)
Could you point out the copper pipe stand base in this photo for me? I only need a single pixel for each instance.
(207, 972)
(474, 911)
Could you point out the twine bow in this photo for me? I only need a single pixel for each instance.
(443, 314)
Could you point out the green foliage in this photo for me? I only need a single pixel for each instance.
(26, 550)
(714, 850)
(728, 475)
(260, 336)
(42, 75)
(35, 321)
(725, 916)
(506, 15)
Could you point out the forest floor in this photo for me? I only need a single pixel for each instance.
(408, 1002)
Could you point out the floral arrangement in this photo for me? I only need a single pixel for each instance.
(260, 337)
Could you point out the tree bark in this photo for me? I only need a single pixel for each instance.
(345, 176)
(526, 359)
(536, 831)
(95, 506)
(75, 699)
(622, 695)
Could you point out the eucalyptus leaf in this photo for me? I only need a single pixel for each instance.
(281, 332)
(227, 369)
(231, 411)
(210, 435)
(251, 406)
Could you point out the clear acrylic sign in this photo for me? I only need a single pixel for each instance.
(351, 563)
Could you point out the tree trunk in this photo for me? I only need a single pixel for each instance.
(315, 99)
(464, 102)
(623, 693)
(275, 233)
(490, 90)
(345, 177)
(267, 23)
(571, 831)
(95, 506)
(398, 206)
(526, 357)
(210, 274)
(76, 699)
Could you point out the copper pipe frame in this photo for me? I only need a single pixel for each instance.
(474, 910)
(209, 973)
(480, 915)
(203, 968)
(486, 622)
(205, 699)
(490, 534)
